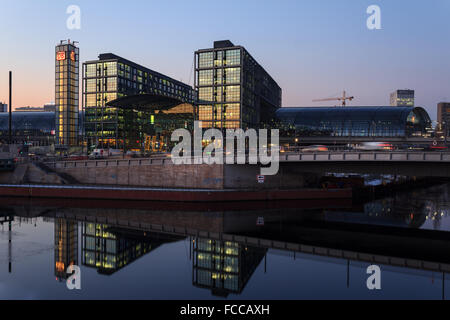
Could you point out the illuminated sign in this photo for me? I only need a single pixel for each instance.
(61, 56)
(72, 56)
(59, 266)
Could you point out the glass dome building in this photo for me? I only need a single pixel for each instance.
(37, 128)
(354, 122)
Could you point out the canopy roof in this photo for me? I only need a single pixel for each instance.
(145, 102)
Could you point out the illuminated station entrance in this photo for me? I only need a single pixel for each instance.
(149, 120)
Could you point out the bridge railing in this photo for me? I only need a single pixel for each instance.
(338, 156)
(367, 156)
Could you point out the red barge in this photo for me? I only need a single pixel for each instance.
(163, 194)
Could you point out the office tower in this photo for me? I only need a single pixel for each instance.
(402, 98)
(66, 93)
(112, 77)
(234, 89)
(443, 118)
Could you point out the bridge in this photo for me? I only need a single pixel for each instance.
(334, 156)
(417, 164)
(347, 156)
(329, 141)
(402, 163)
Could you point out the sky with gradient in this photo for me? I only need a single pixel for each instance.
(312, 48)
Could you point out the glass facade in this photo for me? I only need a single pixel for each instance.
(403, 98)
(66, 93)
(108, 251)
(353, 122)
(224, 266)
(234, 91)
(29, 128)
(443, 118)
(110, 78)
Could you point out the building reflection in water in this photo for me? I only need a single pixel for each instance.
(119, 236)
(224, 267)
(66, 246)
(7, 219)
(110, 249)
(386, 212)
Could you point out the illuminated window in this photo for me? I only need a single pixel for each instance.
(205, 94)
(232, 75)
(233, 57)
(205, 77)
(205, 60)
(91, 70)
(232, 93)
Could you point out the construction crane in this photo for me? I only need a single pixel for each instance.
(344, 99)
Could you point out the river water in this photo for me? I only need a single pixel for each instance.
(274, 250)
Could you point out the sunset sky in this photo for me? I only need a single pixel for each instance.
(312, 48)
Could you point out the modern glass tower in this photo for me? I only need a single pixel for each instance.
(112, 77)
(66, 93)
(234, 90)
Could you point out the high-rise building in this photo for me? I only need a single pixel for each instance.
(234, 90)
(66, 93)
(402, 98)
(112, 77)
(443, 118)
(3, 107)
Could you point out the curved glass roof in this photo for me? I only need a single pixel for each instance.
(355, 121)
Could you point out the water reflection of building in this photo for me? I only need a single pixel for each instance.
(224, 267)
(66, 246)
(395, 212)
(7, 219)
(111, 249)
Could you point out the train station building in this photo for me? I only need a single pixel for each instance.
(354, 122)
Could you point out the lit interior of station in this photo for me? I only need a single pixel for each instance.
(149, 121)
